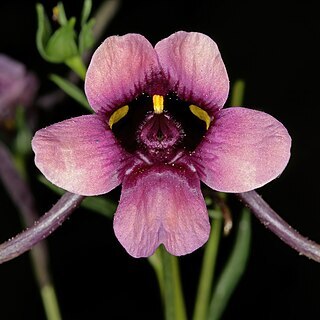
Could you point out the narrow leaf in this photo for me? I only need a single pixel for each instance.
(208, 269)
(72, 90)
(86, 10)
(234, 268)
(61, 16)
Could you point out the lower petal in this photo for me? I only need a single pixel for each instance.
(161, 205)
(243, 150)
(79, 155)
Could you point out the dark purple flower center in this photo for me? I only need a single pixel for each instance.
(159, 136)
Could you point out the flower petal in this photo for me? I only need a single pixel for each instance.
(121, 67)
(243, 150)
(80, 155)
(192, 63)
(161, 205)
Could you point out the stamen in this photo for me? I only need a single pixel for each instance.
(118, 115)
(157, 103)
(201, 114)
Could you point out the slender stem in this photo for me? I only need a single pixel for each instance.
(207, 271)
(77, 65)
(41, 229)
(234, 268)
(278, 226)
(23, 199)
(50, 302)
(156, 262)
(173, 297)
(237, 93)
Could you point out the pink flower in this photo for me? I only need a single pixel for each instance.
(17, 86)
(159, 129)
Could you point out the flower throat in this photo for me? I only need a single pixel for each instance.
(159, 126)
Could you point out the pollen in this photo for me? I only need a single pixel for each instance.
(157, 103)
(201, 114)
(118, 115)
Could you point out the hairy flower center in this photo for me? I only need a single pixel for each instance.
(158, 135)
(159, 127)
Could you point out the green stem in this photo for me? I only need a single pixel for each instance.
(156, 263)
(234, 268)
(237, 93)
(172, 289)
(207, 271)
(71, 89)
(76, 64)
(22, 197)
(50, 302)
(40, 265)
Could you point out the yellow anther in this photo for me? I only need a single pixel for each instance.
(201, 114)
(55, 13)
(157, 103)
(118, 115)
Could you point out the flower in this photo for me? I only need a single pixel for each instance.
(159, 129)
(17, 86)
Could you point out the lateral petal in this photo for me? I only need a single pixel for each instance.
(79, 155)
(243, 150)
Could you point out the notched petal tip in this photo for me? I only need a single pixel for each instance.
(161, 206)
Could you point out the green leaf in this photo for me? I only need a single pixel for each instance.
(234, 268)
(24, 135)
(72, 90)
(100, 205)
(62, 45)
(86, 10)
(208, 268)
(86, 37)
(43, 31)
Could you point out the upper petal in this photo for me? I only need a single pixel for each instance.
(79, 155)
(120, 68)
(161, 205)
(193, 65)
(243, 150)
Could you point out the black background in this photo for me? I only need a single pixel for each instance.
(274, 47)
